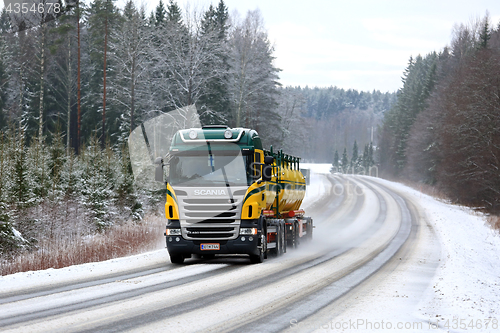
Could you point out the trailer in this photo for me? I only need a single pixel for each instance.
(225, 195)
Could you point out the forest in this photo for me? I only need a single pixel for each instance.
(73, 87)
(444, 129)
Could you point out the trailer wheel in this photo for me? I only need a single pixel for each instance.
(294, 241)
(279, 240)
(176, 258)
(310, 231)
(283, 240)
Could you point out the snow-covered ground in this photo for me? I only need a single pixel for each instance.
(452, 279)
(465, 292)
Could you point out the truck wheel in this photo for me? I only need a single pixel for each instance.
(176, 258)
(259, 258)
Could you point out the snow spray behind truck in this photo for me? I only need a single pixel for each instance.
(225, 194)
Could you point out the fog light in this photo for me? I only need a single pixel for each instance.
(250, 239)
(169, 239)
(177, 239)
(243, 238)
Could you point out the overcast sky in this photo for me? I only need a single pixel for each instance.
(359, 44)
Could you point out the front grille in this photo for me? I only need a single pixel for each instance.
(209, 218)
(203, 210)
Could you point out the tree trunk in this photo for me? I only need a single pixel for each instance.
(103, 138)
(68, 127)
(42, 83)
(79, 113)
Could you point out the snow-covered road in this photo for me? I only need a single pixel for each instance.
(383, 257)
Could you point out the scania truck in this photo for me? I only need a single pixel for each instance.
(227, 195)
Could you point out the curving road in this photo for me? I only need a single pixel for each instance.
(365, 232)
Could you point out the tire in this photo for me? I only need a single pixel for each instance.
(176, 259)
(283, 240)
(310, 232)
(294, 242)
(259, 258)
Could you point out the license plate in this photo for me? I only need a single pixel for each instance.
(211, 246)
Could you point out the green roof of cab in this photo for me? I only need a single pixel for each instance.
(249, 138)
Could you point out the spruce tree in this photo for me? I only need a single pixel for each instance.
(485, 34)
(125, 192)
(8, 240)
(344, 165)
(160, 14)
(335, 164)
(174, 14)
(95, 186)
(353, 166)
(365, 160)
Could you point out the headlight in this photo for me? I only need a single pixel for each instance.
(248, 231)
(173, 232)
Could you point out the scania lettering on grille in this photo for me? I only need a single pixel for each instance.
(209, 192)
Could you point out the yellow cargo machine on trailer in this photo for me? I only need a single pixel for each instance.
(227, 195)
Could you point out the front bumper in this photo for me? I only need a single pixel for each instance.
(234, 246)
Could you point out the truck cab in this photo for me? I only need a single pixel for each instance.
(224, 192)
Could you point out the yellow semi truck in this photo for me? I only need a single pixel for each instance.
(227, 195)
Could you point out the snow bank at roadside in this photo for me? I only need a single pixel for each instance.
(466, 285)
(94, 270)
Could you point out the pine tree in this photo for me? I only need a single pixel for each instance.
(214, 103)
(57, 158)
(21, 193)
(365, 160)
(8, 241)
(335, 164)
(125, 193)
(95, 185)
(353, 166)
(174, 14)
(160, 14)
(344, 164)
(485, 33)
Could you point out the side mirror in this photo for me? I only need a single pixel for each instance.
(268, 160)
(267, 172)
(159, 170)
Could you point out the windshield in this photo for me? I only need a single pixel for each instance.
(210, 170)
